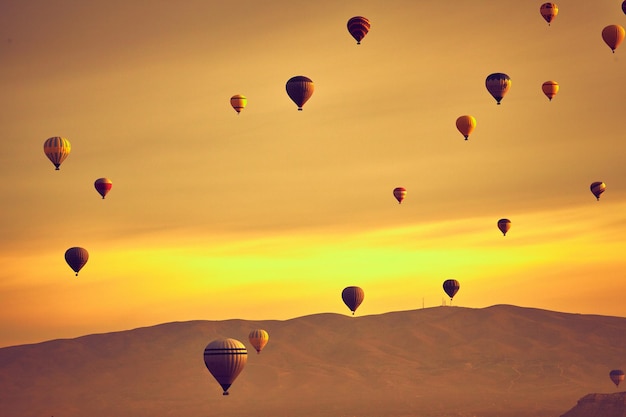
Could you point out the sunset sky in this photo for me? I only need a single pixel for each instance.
(269, 214)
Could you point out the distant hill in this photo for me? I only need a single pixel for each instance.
(502, 361)
(600, 405)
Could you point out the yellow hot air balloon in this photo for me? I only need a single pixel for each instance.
(57, 149)
(504, 225)
(238, 102)
(550, 88)
(465, 125)
(225, 359)
(358, 26)
(258, 338)
(613, 35)
(597, 188)
(549, 12)
(300, 89)
(498, 84)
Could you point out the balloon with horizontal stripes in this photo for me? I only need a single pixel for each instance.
(57, 149)
(299, 89)
(617, 376)
(549, 11)
(225, 359)
(613, 35)
(238, 102)
(504, 225)
(103, 186)
(466, 125)
(358, 26)
(353, 297)
(258, 338)
(399, 193)
(498, 84)
(597, 188)
(550, 88)
(76, 258)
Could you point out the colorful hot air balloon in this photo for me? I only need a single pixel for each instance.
(353, 297)
(299, 89)
(238, 102)
(258, 338)
(76, 258)
(504, 225)
(465, 125)
(613, 35)
(451, 287)
(225, 359)
(498, 84)
(358, 26)
(549, 11)
(617, 376)
(57, 149)
(550, 88)
(103, 186)
(399, 193)
(597, 188)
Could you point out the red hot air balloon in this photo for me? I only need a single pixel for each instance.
(504, 225)
(225, 359)
(353, 297)
(617, 376)
(103, 186)
(399, 193)
(498, 84)
(299, 89)
(597, 188)
(57, 149)
(550, 88)
(613, 35)
(549, 12)
(358, 26)
(451, 287)
(76, 258)
(238, 102)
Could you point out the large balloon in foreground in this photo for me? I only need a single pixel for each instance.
(550, 88)
(76, 258)
(617, 376)
(258, 338)
(613, 35)
(451, 287)
(238, 102)
(549, 11)
(465, 125)
(597, 188)
(504, 225)
(225, 359)
(299, 89)
(358, 26)
(103, 186)
(498, 84)
(353, 297)
(624, 6)
(399, 193)
(57, 149)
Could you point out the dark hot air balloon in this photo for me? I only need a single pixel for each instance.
(498, 84)
(300, 89)
(617, 376)
(358, 26)
(597, 188)
(399, 193)
(353, 297)
(451, 287)
(76, 258)
(613, 35)
(258, 338)
(225, 359)
(504, 225)
(549, 12)
(57, 149)
(103, 186)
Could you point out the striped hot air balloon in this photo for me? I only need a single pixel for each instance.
(399, 193)
(299, 89)
(451, 287)
(57, 149)
(617, 376)
(76, 258)
(353, 297)
(238, 102)
(103, 186)
(549, 11)
(613, 35)
(225, 359)
(358, 26)
(258, 338)
(498, 84)
(504, 225)
(597, 188)
(550, 88)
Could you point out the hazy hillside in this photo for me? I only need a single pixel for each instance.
(500, 361)
(600, 405)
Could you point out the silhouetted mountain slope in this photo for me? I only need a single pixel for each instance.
(500, 361)
(600, 405)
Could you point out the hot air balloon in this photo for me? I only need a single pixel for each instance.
(103, 186)
(57, 149)
(358, 26)
(353, 297)
(299, 89)
(451, 287)
(466, 125)
(504, 225)
(225, 359)
(617, 376)
(498, 85)
(550, 88)
(613, 35)
(624, 6)
(258, 338)
(238, 102)
(597, 188)
(549, 11)
(76, 258)
(399, 193)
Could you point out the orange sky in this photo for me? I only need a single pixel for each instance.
(270, 213)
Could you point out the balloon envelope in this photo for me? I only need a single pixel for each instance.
(399, 193)
(549, 11)
(258, 338)
(299, 89)
(353, 297)
(504, 225)
(238, 102)
(451, 287)
(613, 35)
(617, 376)
(76, 258)
(358, 26)
(550, 88)
(57, 149)
(498, 84)
(225, 359)
(624, 6)
(466, 124)
(597, 188)
(103, 186)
